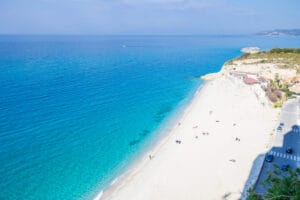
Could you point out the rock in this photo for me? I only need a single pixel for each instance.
(250, 50)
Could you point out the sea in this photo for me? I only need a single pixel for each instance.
(75, 111)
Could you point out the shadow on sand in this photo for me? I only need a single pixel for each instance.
(261, 167)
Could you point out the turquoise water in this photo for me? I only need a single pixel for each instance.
(75, 110)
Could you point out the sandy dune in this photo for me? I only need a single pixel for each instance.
(222, 132)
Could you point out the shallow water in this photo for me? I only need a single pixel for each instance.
(75, 110)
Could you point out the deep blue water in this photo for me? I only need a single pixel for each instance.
(75, 110)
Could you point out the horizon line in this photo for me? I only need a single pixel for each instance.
(74, 34)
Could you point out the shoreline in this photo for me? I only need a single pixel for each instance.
(163, 133)
(125, 187)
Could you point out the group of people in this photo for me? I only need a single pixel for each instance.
(178, 141)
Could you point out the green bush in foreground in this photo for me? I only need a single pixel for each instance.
(253, 196)
(281, 186)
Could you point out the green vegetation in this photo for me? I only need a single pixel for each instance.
(287, 58)
(253, 196)
(277, 104)
(278, 92)
(280, 186)
(277, 86)
(230, 62)
(285, 50)
(284, 58)
(288, 93)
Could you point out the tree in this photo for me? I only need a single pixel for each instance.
(281, 186)
(252, 195)
(277, 80)
(273, 84)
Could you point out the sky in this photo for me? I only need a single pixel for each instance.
(157, 17)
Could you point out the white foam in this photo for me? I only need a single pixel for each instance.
(98, 197)
(114, 181)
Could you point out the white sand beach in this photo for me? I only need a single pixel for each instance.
(225, 127)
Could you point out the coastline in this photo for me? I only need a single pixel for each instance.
(163, 132)
(97, 122)
(207, 156)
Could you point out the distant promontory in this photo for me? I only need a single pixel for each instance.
(281, 32)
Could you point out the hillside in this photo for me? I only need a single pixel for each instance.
(284, 62)
(281, 32)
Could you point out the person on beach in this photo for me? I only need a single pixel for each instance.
(178, 141)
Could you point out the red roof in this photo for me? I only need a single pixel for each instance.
(249, 80)
(295, 88)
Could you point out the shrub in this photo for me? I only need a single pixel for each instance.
(252, 195)
(277, 104)
(285, 50)
(280, 186)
